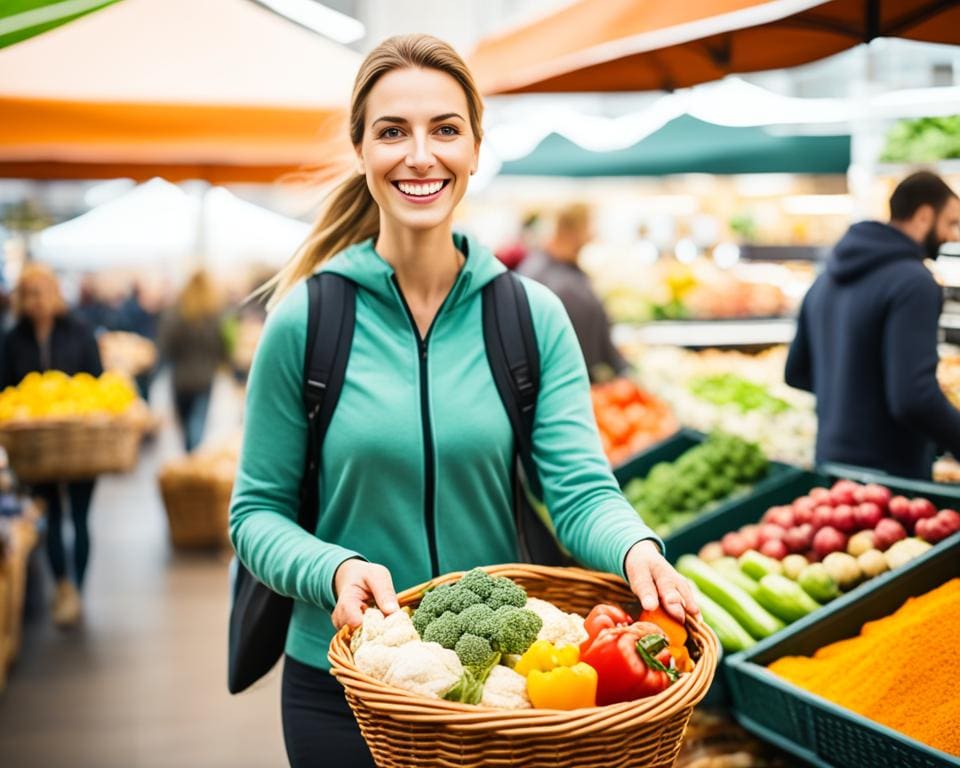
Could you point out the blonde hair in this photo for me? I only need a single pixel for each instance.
(351, 215)
(199, 298)
(574, 217)
(37, 272)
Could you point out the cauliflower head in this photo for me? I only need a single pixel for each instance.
(505, 689)
(558, 628)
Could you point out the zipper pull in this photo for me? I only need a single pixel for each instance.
(423, 349)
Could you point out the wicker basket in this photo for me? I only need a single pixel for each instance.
(197, 509)
(72, 449)
(404, 730)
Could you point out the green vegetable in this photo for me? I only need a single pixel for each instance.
(445, 629)
(730, 389)
(748, 613)
(732, 636)
(756, 566)
(469, 688)
(784, 598)
(474, 651)
(730, 569)
(505, 592)
(816, 582)
(517, 630)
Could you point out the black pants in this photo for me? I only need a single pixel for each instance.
(79, 494)
(318, 726)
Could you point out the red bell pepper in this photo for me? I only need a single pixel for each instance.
(631, 662)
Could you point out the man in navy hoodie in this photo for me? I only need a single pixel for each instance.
(866, 342)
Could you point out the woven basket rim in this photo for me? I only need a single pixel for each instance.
(410, 707)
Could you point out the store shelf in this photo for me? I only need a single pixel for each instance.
(784, 252)
(708, 333)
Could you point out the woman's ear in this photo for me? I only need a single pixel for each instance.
(359, 165)
(476, 158)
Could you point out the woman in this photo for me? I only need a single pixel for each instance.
(417, 462)
(191, 340)
(45, 338)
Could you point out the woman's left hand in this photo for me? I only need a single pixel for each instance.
(655, 582)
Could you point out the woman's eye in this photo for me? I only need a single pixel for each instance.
(448, 130)
(390, 133)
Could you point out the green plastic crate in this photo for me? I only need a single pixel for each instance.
(673, 448)
(812, 728)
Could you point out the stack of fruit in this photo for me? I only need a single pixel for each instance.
(806, 553)
(53, 395)
(629, 419)
(674, 493)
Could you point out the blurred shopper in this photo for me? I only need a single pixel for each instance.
(137, 315)
(44, 338)
(416, 477)
(190, 339)
(512, 255)
(866, 342)
(556, 267)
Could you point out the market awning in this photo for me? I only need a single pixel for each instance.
(637, 45)
(223, 90)
(688, 145)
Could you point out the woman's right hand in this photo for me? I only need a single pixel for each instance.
(360, 584)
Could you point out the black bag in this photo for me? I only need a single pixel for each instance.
(259, 617)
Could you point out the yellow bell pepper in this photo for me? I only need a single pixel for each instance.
(556, 678)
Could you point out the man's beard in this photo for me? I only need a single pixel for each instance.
(931, 243)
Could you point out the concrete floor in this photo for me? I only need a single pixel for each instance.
(142, 683)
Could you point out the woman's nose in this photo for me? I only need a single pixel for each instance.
(420, 157)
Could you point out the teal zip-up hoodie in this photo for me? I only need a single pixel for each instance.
(417, 463)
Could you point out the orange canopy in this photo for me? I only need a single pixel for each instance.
(222, 90)
(637, 45)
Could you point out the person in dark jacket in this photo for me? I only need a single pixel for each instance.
(556, 267)
(191, 340)
(866, 342)
(44, 338)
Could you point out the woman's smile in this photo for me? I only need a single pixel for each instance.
(420, 191)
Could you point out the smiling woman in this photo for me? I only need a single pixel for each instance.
(416, 477)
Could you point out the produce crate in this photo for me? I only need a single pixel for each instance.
(674, 447)
(811, 727)
(198, 510)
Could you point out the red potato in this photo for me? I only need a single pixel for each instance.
(774, 548)
(820, 495)
(771, 532)
(782, 516)
(878, 494)
(867, 515)
(828, 540)
(799, 538)
(734, 544)
(899, 507)
(921, 508)
(843, 492)
(822, 516)
(887, 533)
(751, 534)
(937, 528)
(843, 519)
(803, 510)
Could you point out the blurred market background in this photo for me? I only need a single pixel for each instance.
(721, 149)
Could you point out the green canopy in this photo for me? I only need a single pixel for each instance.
(689, 145)
(22, 19)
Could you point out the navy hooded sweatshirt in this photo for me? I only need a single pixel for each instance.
(866, 346)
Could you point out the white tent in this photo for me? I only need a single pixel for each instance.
(159, 225)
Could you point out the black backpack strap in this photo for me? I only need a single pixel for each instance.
(330, 323)
(515, 362)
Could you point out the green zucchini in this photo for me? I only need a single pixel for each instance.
(730, 569)
(748, 613)
(732, 636)
(756, 566)
(784, 598)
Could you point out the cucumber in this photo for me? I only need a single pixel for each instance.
(784, 598)
(748, 613)
(756, 566)
(732, 636)
(728, 568)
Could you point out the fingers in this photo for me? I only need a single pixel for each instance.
(350, 606)
(642, 584)
(380, 585)
(689, 600)
(675, 593)
(359, 583)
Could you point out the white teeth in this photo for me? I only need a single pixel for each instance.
(420, 190)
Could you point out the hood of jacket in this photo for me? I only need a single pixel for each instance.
(363, 265)
(868, 245)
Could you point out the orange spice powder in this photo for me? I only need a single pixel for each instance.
(902, 671)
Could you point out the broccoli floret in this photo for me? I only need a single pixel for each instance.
(504, 593)
(421, 619)
(474, 617)
(437, 600)
(462, 598)
(445, 629)
(478, 581)
(518, 629)
(474, 651)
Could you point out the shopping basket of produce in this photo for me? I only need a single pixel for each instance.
(524, 721)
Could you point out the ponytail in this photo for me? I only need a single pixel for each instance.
(350, 216)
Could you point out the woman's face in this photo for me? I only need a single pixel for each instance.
(418, 149)
(38, 299)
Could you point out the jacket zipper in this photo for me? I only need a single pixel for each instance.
(430, 480)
